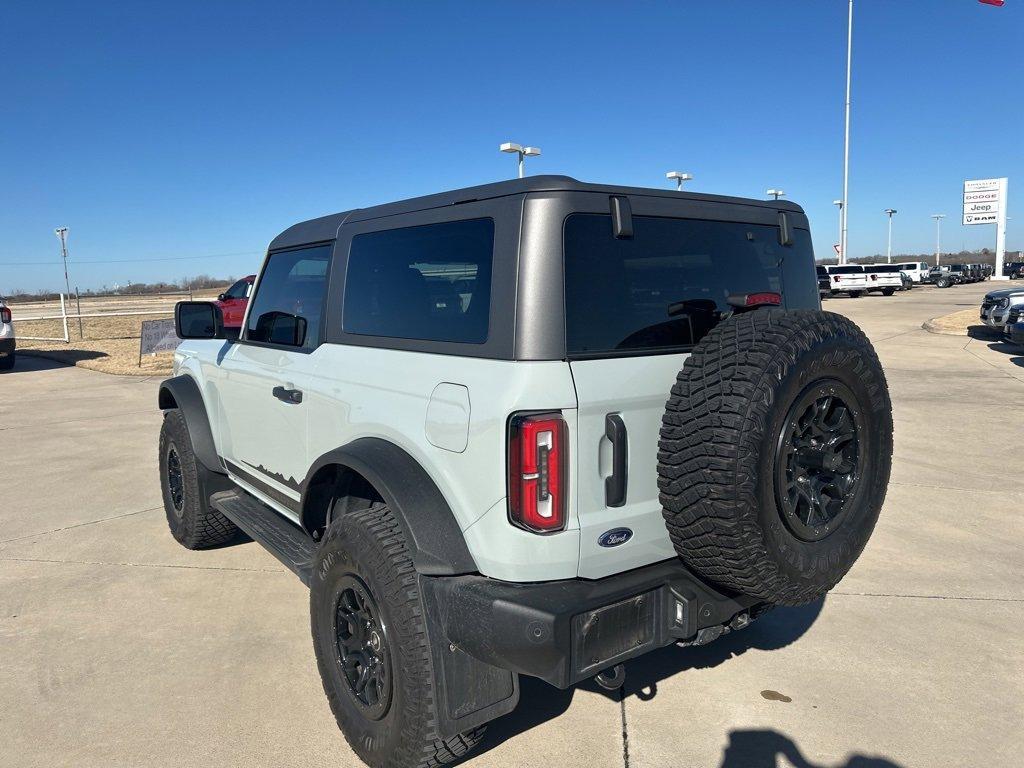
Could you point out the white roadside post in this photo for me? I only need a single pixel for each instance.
(985, 203)
(64, 319)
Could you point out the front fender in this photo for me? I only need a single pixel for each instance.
(182, 392)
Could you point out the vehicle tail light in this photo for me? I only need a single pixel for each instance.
(874, 277)
(5, 315)
(763, 299)
(537, 478)
(836, 278)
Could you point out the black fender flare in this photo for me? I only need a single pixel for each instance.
(435, 539)
(182, 392)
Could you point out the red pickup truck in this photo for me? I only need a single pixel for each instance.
(234, 300)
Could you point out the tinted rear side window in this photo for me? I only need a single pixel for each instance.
(664, 288)
(292, 286)
(431, 282)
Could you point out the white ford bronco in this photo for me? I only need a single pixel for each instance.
(538, 427)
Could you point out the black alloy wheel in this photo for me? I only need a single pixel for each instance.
(818, 460)
(175, 481)
(362, 648)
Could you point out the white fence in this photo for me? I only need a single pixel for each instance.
(64, 316)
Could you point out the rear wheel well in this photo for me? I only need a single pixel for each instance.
(333, 491)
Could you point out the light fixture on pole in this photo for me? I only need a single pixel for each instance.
(679, 177)
(844, 212)
(521, 151)
(776, 193)
(938, 236)
(888, 249)
(839, 245)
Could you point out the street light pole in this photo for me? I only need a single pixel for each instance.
(679, 177)
(521, 151)
(938, 236)
(888, 249)
(839, 204)
(844, 211)
(776, 193)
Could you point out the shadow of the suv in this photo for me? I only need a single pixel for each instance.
(540, 702)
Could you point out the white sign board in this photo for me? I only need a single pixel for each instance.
(985, 203)
(158, 336)
(983, 200)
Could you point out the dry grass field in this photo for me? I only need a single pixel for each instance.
(107, 344)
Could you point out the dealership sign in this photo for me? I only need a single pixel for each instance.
(983, 200)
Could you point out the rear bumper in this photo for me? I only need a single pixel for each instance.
(6, 346)
(567, 631)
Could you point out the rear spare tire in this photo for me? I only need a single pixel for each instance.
(775, 452)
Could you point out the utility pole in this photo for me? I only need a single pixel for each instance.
(62, 234)
(839, 204)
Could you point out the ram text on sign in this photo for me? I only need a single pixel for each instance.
(981, 218)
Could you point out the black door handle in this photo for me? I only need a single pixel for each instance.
(615, 484)
(288, 395)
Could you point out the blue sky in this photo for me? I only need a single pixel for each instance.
(158, 131)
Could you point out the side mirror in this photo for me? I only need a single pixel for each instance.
(280, 328)
(198, 320)
(220, 296)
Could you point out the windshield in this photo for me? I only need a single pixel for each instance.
(883, 268)
(666, 286)
(852, 269)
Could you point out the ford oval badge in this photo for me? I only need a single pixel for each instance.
(614, 537)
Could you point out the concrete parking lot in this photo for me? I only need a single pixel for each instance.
(119, 648)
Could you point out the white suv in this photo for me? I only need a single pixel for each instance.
(7, 342)
(538, 427)
(849, 279)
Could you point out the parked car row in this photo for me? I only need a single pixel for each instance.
(855, 280)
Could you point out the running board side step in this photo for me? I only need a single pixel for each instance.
(284, 540)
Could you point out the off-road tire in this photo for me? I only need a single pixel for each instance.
(722, 429)
(7, 362)
(369, 544)
(942, 282)
(193, 522)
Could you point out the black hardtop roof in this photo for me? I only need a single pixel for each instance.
(326, 227)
